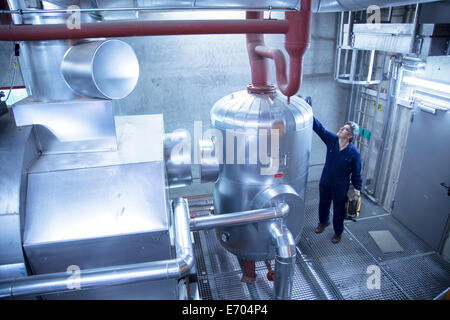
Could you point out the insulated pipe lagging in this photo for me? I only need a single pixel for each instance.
(183, 242)
(140, 28)
(239, 218)
(117, 275)
(297, 41)
(259, 66)
(284, 260)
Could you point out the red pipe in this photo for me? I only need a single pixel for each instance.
(296, 43)
(259, 66)
(140, 28)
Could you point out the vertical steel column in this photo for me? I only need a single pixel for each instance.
(358, 89)
(374, 121)
(412, 46)
(390, 78)
(338, 47)
(349, 105)
(398, 80)
(370, 71)
(350, 29)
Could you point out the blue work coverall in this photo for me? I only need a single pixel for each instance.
(335, 179)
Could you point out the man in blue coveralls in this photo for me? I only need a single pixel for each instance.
(343, 163)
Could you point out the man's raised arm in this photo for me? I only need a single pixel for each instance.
(324, 134)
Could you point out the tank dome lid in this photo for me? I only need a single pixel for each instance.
(250, 111)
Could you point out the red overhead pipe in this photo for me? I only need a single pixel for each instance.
(296, 43)
(296, 27)
(140, 28)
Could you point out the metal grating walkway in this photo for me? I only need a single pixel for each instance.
(328, 271)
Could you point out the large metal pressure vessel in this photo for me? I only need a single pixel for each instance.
(251, 121)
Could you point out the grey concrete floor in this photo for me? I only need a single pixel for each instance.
(332, 271)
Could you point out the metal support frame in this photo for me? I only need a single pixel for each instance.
(367, 159)
(390, 80)
(413, 49)
(398, 74)
(395, 74)
(350, 77)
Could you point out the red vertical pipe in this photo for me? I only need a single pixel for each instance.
(259, 65)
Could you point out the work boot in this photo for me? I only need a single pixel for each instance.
(321, 227)
(336, 238)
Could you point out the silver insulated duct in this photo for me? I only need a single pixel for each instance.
(62, 70)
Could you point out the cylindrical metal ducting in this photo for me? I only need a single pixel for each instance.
(41, 60)
(41, 64)
(252, 182)
(106, 69)
(209, 164)
(286, 253)
(177, 156)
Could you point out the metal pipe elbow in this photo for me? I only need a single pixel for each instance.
(284, 260)
(284, 241)
(185, 253)
(185, 263)
(283, 208)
